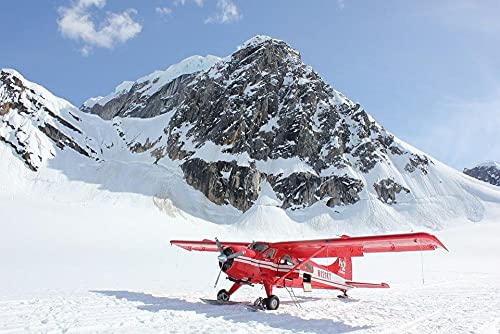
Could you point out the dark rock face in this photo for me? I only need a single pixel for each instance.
(420, 162)
(135, 104)
(61, 140)
(387, 189)
(489, 173)
(304, 189)
(259, 108)
(224, 182)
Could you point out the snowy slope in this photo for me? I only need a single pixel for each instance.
(81, 257)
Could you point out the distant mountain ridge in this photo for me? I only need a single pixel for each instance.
(230, 128)
(488, 171)
(138, 98)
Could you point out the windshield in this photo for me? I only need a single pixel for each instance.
(258, 247)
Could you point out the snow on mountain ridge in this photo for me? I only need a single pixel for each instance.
(49, 97)
(34, 122)
(154, 81)
(489, 163)
(258, 39)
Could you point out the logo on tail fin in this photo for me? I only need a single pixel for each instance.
(341, 266)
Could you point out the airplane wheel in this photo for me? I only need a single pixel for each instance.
(272, 302)
(222, 296)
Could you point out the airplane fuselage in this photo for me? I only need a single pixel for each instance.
(269, 265)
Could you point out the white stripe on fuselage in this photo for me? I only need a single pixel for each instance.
(338, 282)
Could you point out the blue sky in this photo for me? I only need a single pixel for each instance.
(429, 71)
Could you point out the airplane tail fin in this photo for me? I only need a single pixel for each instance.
(342, 267)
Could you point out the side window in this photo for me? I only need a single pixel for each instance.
(286, 259)
(270, 253)
(309, 267)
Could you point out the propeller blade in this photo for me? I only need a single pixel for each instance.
(232, 256)
(219, 246)
(218, 276)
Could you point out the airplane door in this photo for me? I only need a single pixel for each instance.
(268, 265)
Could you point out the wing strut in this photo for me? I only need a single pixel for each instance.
(282, 278)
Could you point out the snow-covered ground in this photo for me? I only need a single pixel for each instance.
(80, 256)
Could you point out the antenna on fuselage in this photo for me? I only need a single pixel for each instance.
(421, 263)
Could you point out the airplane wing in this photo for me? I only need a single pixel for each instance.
(357, 246)
(205, 245)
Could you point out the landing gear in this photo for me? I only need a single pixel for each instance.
(223, 296)
(272, 302)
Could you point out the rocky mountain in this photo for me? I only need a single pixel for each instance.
(209, 136)
(488, 171)
(262, 114)
(34, 122)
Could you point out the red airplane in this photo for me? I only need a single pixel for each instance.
(289, 264)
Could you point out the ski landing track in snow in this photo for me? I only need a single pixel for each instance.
(439, 306)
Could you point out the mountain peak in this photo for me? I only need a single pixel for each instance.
(261, 114)
(12, 72)
(268, 45)
(259, 39)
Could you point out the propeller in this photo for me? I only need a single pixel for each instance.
(224, 256)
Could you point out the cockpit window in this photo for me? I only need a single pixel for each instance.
(258, 247)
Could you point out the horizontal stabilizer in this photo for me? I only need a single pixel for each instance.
(368, 285)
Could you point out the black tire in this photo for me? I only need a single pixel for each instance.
(223, 296)
(272, 302)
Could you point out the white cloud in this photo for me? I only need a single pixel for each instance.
(341, 4)
(76, 23)
(183, 2)
(163, 11)
(227, 12)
